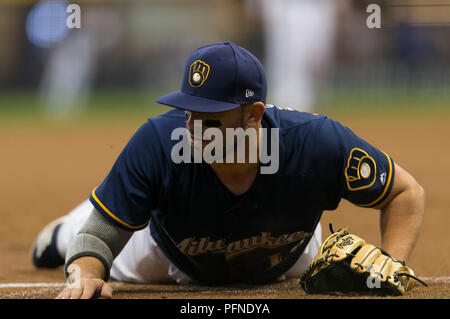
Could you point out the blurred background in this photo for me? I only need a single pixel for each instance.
(72, 92)
(319, 55)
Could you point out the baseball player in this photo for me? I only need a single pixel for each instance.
(154, 219)
(296, 58)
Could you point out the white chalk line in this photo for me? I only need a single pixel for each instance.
(445, 279)
(32, 285)
(436, 279)
(39, 285)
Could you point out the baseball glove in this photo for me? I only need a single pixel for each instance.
(345, 263)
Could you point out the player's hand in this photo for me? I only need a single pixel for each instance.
(86, 289)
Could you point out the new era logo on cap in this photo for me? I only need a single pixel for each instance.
(219, 78)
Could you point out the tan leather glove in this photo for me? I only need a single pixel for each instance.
(346, 263)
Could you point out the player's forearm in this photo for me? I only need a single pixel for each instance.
(401, 220)
(97, 238)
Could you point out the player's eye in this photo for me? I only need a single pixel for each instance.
(213, 123)
(207, 123)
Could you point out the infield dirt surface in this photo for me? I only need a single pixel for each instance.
(48, 170)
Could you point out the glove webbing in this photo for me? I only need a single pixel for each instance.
(321, 261)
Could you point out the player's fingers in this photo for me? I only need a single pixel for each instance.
(89, 289)
(76, 289)
(76, 293)
(65, 294)
(107, 291)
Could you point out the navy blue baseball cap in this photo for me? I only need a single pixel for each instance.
(218, 78)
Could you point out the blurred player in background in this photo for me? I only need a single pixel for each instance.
(299, 46)
(70, 56)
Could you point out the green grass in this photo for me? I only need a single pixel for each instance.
(102, 107)
(128, 107)
(396, 101)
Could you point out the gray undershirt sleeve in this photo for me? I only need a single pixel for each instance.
(98, 238)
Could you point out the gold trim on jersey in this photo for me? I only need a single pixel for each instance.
(386, 187)
(115, 217)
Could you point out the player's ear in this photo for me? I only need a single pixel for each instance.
(254, 113)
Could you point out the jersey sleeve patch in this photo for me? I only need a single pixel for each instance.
(368, 178)
(385, 179)
(349, 167)
(361, 170)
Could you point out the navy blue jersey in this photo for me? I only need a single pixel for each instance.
(216, 237)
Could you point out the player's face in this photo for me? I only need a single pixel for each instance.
(221, 121)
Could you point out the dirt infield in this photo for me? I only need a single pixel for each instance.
(47, 171)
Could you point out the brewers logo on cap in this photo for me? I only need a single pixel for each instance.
(198, 73)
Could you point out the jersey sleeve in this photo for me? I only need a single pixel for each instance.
(351, 167)
(129, 192)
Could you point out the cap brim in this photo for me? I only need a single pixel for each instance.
(193, 103)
